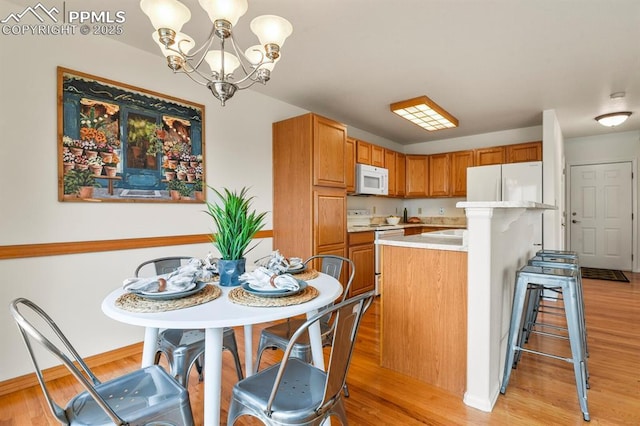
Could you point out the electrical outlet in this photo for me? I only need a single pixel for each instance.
(419, 210)
(441, 210)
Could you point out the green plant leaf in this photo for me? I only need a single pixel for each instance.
(235, 224)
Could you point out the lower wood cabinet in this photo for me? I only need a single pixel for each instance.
(362, 253)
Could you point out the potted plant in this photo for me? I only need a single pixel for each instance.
(176, 188)
(235, 228)
(197, 189)
(185, 191)
(80, 182)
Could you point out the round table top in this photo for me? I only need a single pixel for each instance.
(221, 312)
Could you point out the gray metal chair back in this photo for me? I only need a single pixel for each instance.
(278, 336)
(294, 392)
(161, 265)
(144, 396)
(332, 265)
(182, 356)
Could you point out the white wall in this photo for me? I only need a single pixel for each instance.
(607, 148)
(553, 188)
(504, 137)
(71, 288)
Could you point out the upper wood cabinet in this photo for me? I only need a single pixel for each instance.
(309, 196)
(460, 160)
(329, 143)
(350, 164)
(363, 152)
(390, 162)
(401, 174)
(417, 175)
(529, 151)
(488, 156)
(439, 170)
(377, 156)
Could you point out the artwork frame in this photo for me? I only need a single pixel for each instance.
(121, 143)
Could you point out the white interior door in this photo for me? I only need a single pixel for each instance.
(600, 215)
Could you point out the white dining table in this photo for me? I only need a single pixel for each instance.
(213, 317)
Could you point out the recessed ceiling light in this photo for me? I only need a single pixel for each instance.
(425, 113)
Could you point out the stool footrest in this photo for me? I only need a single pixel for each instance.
(532, 351)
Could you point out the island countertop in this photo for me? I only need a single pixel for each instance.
(425, 241)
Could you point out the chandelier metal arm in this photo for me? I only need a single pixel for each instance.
(256, 64)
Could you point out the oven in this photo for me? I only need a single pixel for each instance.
(383, 233)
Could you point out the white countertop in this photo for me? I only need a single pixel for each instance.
(505, 205)
(425, 241)
(402, 226)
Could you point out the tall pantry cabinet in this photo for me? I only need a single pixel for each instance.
(309, 186)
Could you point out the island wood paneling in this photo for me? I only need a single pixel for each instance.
(424, 315)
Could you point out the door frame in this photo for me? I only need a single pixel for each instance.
(634, 201)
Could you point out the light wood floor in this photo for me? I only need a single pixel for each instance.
(541, 391)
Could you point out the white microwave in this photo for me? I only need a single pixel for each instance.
(371, 180)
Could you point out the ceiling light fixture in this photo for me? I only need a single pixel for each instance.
(256, 63)
(425, 113)
(613, 119)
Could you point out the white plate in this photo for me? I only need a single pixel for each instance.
(281, 293)
(173, 295)
(297, 268)
(167, 292)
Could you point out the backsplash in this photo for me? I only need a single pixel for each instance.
(437, 208)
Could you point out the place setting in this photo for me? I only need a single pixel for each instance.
(275, 281)
(187, 286)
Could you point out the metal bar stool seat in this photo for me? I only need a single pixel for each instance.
(565, 280)
(558, 253)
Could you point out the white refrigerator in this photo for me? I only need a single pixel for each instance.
(507, 182)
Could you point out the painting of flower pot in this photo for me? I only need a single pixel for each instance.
(132, 141)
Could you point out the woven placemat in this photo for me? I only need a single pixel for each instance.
(134, 303)
(306, 275)
(241, 297)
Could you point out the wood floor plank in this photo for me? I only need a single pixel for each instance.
(541, 391)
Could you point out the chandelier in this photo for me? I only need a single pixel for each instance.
(255, 63)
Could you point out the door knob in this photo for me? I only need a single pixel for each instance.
(575, 221)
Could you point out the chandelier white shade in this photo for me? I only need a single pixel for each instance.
(251, 66)
(613, 119)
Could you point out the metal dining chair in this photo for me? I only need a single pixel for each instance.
(278, 336)
(294, 392)
(184, 348)
(146, 396)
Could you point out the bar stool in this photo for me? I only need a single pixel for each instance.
(535, 306)
(530, 278)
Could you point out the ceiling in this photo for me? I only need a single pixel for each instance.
(493, 64)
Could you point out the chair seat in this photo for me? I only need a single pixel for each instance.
(292, 401)
(141, 397)
(184, 347)
(278, 336)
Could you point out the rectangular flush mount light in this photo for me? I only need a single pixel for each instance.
(425, 113)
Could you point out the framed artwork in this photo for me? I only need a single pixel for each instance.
(120, 143)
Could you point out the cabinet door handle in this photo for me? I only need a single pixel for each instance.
(575, 221)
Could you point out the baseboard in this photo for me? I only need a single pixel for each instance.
(29, 380)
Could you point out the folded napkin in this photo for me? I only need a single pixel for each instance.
(182, 279)
(264, 279)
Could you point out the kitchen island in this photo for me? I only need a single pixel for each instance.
(446, 305)
(424, 309)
